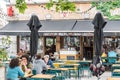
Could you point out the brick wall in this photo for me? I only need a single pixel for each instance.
(41, 11)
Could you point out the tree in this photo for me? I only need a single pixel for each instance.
(106, 8)
(61, 5)
(21, 5)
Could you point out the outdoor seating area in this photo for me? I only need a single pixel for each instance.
(59, 39)
(71, 69)
(63, 69)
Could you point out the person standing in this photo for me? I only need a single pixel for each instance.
(14, 70)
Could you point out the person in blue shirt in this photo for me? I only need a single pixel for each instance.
(48, 61)
(112, 53)
(14, 70)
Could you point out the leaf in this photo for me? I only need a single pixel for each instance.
(21, 5)
(61, 5)
(106, 7)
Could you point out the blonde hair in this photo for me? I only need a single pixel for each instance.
(46, 56)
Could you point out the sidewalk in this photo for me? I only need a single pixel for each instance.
(104, 76)
(2, 70)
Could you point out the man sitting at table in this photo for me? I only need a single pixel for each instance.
(39, 64)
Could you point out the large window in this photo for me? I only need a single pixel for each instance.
(72, 42)
(25, 44)
(112, 41)
(50, 41)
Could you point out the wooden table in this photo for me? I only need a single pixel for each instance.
(85, 61)
(76, 61)
(28, 75)
(61, 71)
(84, 65)
(69, 60)
(115, 66)
(113, 78)
(116, 70)
(72, 67)
(43, 76)
(71, 64)
(57, 64)
(117, 62)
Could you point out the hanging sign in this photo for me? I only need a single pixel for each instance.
(67, 34)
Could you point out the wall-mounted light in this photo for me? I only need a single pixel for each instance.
(86, 16)
(48, 16)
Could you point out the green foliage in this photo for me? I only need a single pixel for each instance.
(49, 5)
(61, 5)
(116, 17)
(6, 41)
(3, 54)
(21, 5)
(106, 7)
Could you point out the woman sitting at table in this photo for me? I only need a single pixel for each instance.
(39, 64)
(14, 70)
(104, 55)
(25, 64)
(48, 61)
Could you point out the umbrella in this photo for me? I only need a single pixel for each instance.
(99, 23)
(34, 25)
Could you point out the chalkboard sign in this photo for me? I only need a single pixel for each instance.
(70, 57)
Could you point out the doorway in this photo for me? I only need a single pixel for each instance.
(50, 45)
(88, 47)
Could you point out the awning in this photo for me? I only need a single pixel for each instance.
(59, 26)
(21, 28)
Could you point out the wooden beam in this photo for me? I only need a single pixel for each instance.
(57, 43)
(18, 43)
(81, 47)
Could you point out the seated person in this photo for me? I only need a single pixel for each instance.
(48, 61)
(25, 64)
(14, 70)
(104, 55)
(20, 53)
(112, 53)
(39, 64)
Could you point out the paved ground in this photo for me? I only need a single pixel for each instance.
(2, 73)
(103, 77)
